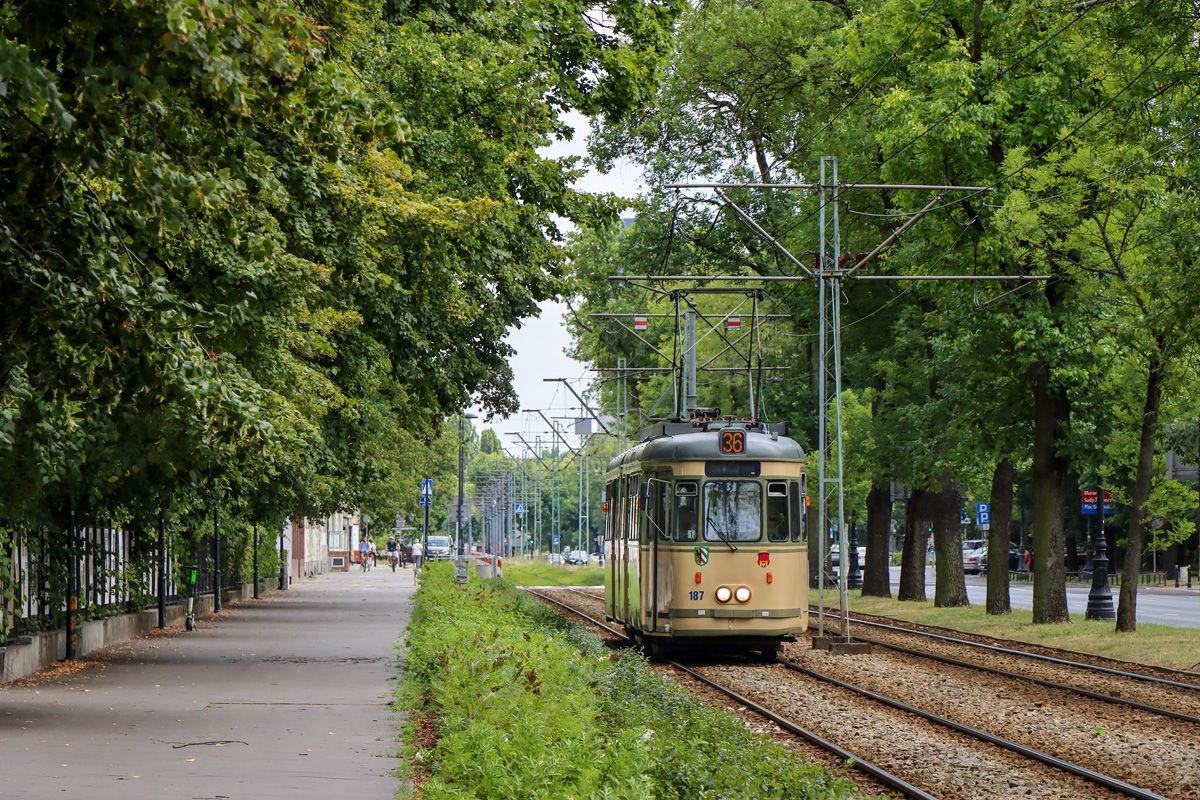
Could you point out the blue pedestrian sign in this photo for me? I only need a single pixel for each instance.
(519, 509)
(983, 513)
(427, 487)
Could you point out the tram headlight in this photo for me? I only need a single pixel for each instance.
(724, 594)
(742, 593)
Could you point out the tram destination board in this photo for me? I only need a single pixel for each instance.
(733, 442)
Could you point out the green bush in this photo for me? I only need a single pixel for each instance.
(528, 705)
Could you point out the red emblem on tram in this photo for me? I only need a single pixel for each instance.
(764, 559)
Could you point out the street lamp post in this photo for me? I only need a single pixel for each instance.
(461, 468)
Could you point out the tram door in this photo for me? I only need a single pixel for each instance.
(629, 552)
(612, 518)
(655, 532)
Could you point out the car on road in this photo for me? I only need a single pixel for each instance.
(1014, 560)
(439, 549)
(973, 560)
(554, 558)
(579, 557)
(835, 558)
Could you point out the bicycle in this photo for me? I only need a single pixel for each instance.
(392, 559)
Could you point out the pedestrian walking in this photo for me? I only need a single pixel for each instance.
(418, 555)
(1027, 560)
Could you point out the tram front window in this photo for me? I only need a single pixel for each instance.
(733, 511)
(685, 511)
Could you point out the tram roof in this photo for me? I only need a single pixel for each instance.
(704, 445)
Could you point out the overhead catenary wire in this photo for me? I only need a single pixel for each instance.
(1112, 174)
(866, 85)
(1079, 126)
(1074, 19)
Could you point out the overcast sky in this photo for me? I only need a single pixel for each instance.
(540, 342)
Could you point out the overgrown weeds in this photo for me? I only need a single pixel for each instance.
(528, 705)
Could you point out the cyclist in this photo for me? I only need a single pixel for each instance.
(393, 552)
(364, 552)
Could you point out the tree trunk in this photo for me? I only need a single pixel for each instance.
(1050, 411)
(998, 538)
(951, 587)
(912, 558)
(1135, 536)
(876, 573)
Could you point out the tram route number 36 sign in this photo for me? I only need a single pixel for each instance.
(733, 442)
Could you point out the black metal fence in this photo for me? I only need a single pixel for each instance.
(118, 573)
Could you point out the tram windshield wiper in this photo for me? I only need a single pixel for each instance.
(720, 533)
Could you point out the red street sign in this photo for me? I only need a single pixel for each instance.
(733, 323)
(1107, 498)
(1093, 496)
(640, 323)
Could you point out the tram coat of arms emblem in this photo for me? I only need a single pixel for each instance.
(764, 559)
(701, 555)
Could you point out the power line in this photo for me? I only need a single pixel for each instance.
(870, 81)
(1103, 107)
(961, 105)
(1102, 178)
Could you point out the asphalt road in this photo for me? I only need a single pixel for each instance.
(296, 685)
(1177, 607)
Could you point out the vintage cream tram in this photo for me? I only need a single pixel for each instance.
(705, 536)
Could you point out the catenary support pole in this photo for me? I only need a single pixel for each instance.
(689, 361)
(458, 517)
(822, 423)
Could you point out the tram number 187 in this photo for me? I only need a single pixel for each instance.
(733, 442)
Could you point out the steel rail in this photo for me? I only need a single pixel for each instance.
(859, 763)
(1066, 662)
(1066, 687)
(1037, 755)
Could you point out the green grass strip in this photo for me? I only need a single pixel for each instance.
(527, 705)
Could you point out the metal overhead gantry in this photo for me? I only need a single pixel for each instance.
(831, 277)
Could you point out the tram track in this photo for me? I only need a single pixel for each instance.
(1187, 681)
(1147, 693)
(877, 773)
(1103, 785)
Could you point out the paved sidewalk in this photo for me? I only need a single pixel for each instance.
(299, 682)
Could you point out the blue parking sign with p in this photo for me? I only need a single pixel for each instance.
(983, 513)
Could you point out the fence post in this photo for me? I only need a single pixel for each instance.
(72, 584)
(216, 556)
(162, 572)
(256, 561)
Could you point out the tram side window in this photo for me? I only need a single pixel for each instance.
(631, 493)
(611, 505)
(685, 511)
(777, 511)
(799, 531)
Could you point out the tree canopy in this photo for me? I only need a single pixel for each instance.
(1078, 127)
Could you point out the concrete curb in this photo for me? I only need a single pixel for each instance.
(47, 649)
